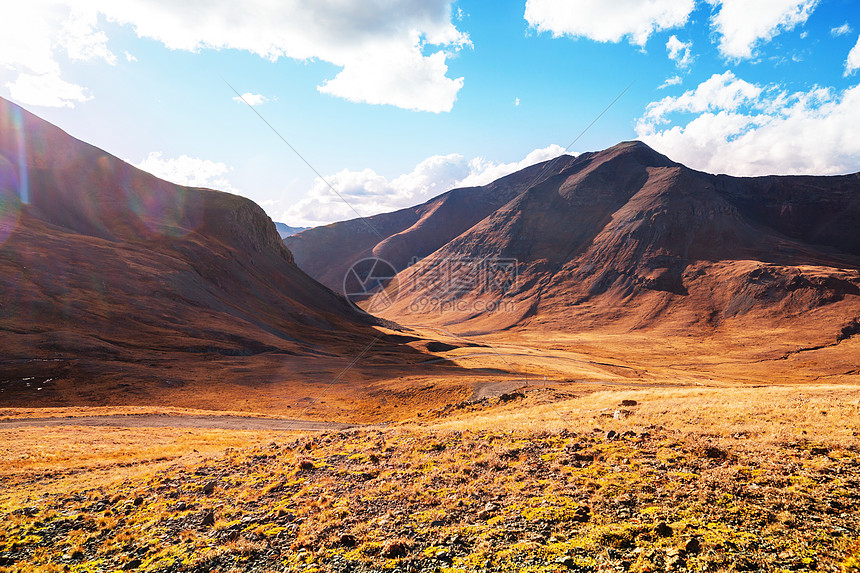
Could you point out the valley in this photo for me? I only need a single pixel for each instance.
(629, 366)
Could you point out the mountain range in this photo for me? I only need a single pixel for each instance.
(624, 238)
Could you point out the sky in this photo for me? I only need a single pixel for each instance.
(322, 110)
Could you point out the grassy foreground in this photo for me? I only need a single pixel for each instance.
(753, 479)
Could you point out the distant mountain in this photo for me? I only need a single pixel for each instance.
(109, 275)
(624, 238)
(285, 230)
(327, 252)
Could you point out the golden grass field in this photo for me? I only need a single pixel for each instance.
(560, 454)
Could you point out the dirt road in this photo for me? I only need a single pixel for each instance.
(177, 421)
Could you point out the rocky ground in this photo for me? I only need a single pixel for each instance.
(412, 499)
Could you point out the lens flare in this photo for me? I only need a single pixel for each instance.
(10, 203)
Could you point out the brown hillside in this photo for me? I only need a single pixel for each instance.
(626, 238)
(115, 285)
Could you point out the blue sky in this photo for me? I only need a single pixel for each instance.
(395, 101)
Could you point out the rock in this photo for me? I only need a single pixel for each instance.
(714, 453)
(611, 435)
(693, 545)
(511, 396)
(663, 529)
(131, 565)
(582, 514)
(306, 465)
(484, 515)
(138, 500)
(347, 540)
(209, 487)
(208, 518)
(393, 549)
(628, 403)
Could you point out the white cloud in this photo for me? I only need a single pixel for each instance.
(679, 52)
(744, 129)
(841, 30)
(390, 52)
(397, 76)
(34, 33)
(46, 90)
(381, 46)
(81, 39)
(27, 30)
(719, 92)
(251, 99)
(483, 171)
(607, 21)
(370, 193)
(130, 57)
(853, 61)
(190, 171)
(517, 102)
(743, 25)
(673, 81)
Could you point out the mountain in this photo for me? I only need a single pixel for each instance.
(327, 252)
(627, 238)
(114, 282)
(285, 230)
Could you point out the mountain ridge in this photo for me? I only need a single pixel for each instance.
(628, 238)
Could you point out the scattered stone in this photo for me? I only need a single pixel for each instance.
(663, 529)
(629, 403)
(306, 465)
(347, 540)
(208, 518)
(393, 549)
(131, 565)
(138, 500)
(693, 545)
(511, 396)
(611, 435)
(209, 487)
(582, 514)
(714, 453)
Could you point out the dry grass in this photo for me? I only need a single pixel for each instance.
(692, 478)
(827, 414)
(35, 461)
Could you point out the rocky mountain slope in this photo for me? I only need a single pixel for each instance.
(110, 274)
(628, 238)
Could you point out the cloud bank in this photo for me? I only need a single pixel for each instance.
(728, 125)
(369, 193)
(390, 53)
